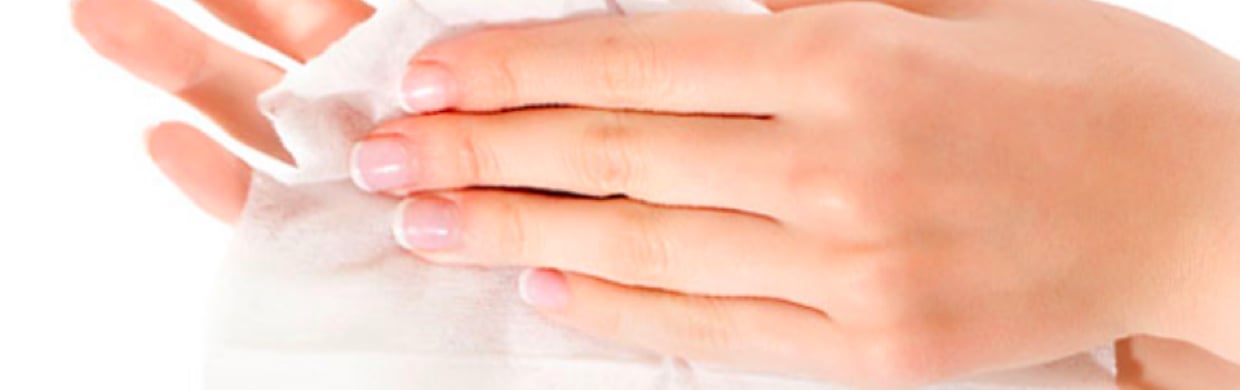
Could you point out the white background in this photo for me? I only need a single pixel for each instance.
(105, 271)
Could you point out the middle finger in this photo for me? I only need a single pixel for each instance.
(710, 162)
(300, 29)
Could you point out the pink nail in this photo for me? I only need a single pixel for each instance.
(428, 223)
(427, 87)
(382, 164)
(544, 288)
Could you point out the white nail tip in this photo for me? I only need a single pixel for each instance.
(354, 173)
(398, 225)
(523, 285)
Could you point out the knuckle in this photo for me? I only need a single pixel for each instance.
(503, 79)
(829, 30)
(871, 28)
(901, 359)
(832, 198)
(862, 39)
(478, 162)
(701, 333)
(459, 153)
(492, 63)
(895, 53)
(707, 332)
(887, 289)
(813, 185)
(644, 247)
(856, 185)
(514, 231)
(485, 62)
(606, 161)
(629, 64)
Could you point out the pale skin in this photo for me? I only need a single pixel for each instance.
(881, 193)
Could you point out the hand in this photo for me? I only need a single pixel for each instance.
(219, 81)
(878, 192)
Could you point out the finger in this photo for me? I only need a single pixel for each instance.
(782, 5)
(694, 251)
(940, 8)
(678, 160)
(156, 46)
(754, 334)
(207, 173)
(300, 29)
(665, 62)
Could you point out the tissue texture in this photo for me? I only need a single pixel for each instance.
(316, 295)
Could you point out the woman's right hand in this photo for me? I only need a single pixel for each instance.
(223, 83)
(220, 81)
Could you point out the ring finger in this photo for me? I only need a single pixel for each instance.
(696, 251)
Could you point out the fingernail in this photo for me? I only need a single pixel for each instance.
(543, 288)
(382, 164)
(427, 87)
(428, 223)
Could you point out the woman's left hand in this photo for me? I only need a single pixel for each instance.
(882, 193)
(219, 81)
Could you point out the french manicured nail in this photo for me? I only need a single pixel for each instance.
(427, 87)
(544, 288)
(382, 164)
(428, 223)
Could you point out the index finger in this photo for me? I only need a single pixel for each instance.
(680, 62)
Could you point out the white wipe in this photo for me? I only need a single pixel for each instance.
(316, 295)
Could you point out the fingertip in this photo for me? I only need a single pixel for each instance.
(542, 288)
(144, 38)
(208, 174)
(162, 139)
(355, 173)
(427, 87)
(89, 18)
(383, 164)
(398, 225)
(79, 12)
(75, 14)
(428, 223)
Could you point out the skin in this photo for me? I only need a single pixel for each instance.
(956, 186)
(218, 80)
(1163, 364)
